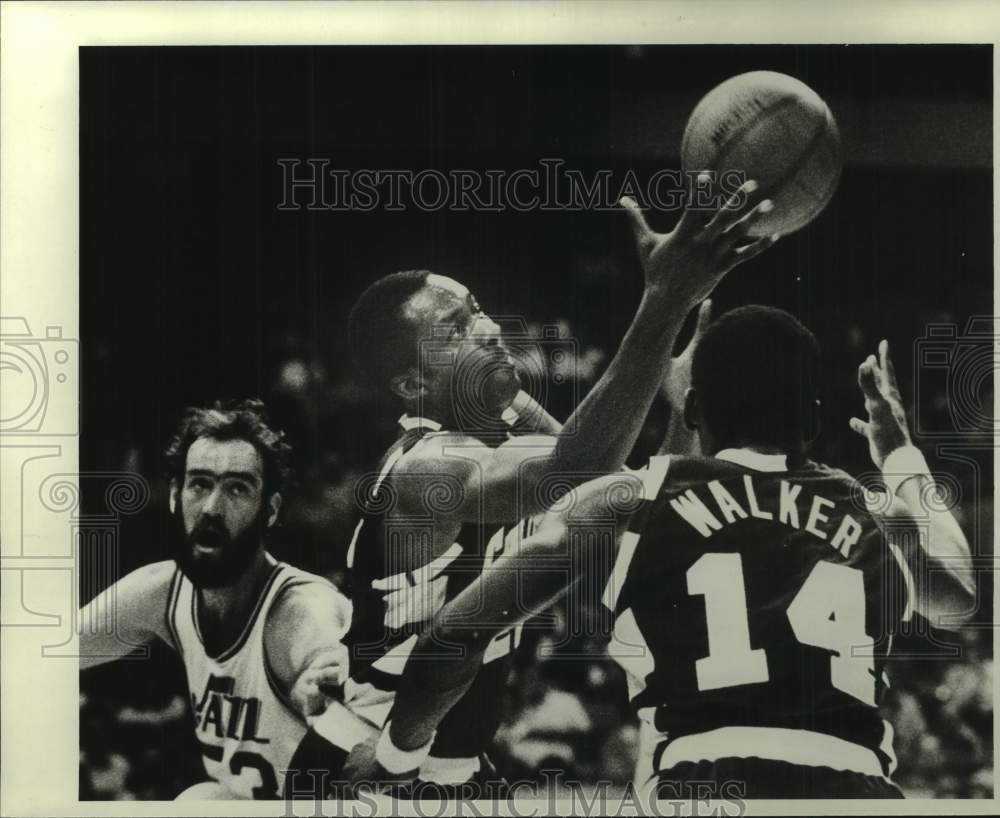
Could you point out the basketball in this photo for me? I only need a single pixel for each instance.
(772, 128)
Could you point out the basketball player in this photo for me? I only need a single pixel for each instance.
(457, 489)
(260, 640)
(755, 592)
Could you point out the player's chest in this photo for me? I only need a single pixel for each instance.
(233, 702)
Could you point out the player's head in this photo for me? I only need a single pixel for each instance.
(424, 338)
(755, 382)
(227, 468)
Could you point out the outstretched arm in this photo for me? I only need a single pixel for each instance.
(308, 664)
(575, 545)
(925, 534)
(681, 268)
(127, 615)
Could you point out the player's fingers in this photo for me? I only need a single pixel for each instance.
(741, 228)
(859, 426)
(737, 206)
(868, 379)
(644, 235)
(693, 218)
(888, 369)
(747, 252)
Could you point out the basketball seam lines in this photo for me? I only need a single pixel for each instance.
(794, 168)
(741, 131)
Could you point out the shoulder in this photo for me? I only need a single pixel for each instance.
(304, 601)
(142, 597)
(154, 579)
(440, 449)
(686, 471)
(308, 617)
(441, 457)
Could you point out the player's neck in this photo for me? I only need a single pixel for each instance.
(715, 447)
(444, 417)
(225, 609)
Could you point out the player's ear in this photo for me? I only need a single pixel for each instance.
(274, 506)
(174, 490)
(409, 385)
(692, 411)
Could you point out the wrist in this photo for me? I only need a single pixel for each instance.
(661, 315)
(396, 761)
(901, 464)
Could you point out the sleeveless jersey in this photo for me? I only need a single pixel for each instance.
(392, 606)
(757, 598)
(246, 729)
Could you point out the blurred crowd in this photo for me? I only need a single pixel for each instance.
(566, 703)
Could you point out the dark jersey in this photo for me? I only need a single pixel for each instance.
(757, 598)
(394, 602)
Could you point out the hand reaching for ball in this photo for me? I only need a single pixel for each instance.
(693, 258)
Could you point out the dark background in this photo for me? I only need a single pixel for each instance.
(194, 286)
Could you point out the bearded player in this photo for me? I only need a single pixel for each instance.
(755, 592)
(460, 484)
(260, 640)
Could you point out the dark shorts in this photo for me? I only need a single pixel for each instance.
(749, 778)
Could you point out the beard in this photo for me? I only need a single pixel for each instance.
(228, 558)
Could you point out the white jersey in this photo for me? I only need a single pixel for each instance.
(247, 730)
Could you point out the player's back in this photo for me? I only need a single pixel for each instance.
(752, 600)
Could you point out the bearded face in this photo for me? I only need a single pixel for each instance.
(219, 512)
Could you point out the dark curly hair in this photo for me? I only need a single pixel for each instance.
(382, 343)
(756, 372)
(232, 420)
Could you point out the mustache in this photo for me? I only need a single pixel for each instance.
(210, 531)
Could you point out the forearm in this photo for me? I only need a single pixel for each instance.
(939, 551)
(447, 657)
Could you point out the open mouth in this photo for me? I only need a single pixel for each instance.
(207, 548)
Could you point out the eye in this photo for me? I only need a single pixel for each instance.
(239, 489)
(199, 484)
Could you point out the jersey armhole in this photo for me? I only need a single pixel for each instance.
(173, 592)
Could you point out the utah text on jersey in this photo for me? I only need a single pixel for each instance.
(246, 728)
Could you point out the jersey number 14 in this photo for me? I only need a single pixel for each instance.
(828, 612)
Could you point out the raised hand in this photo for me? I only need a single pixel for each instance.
(886, 427)
(694, 257)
